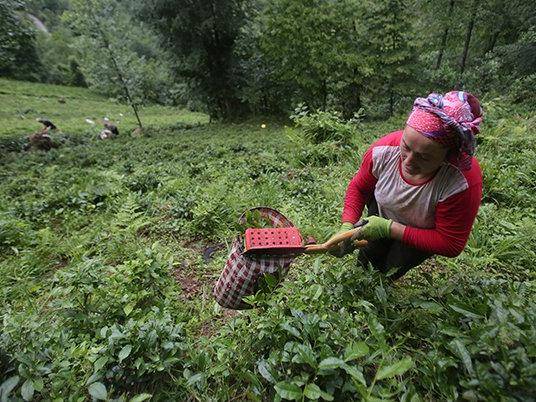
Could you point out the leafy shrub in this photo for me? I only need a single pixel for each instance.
(322, 126)
(324, 154)
(342, 334)
(112, 325)
(143, 182)
(13, 233)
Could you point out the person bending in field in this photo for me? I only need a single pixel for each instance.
(422, 186)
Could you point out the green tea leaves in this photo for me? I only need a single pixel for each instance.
(288, 390)
(398, 368)
(98, 391)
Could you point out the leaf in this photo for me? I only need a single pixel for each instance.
(196, 378)
(264, 370)
(312, 391)
(398, 368)
(141, 397)
(355, 374)
(27, 390)
(128, 308)
(38, 384)
(100, 362)
(355, 350)
(432, 307)
(459, 348)
(316, 290)
(331, 363)
(464, 312)
(125, 352)
(103, 332)
(98, 391)
(8, 386)
(271, 280)
(288, 390)
(289, 328)
(306, 355)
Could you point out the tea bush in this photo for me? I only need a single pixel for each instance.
(321, 126)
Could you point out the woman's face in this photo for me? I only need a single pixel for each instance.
(421, 156)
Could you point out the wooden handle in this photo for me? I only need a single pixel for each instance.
(333, 241)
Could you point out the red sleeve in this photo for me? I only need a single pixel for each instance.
(453, 221)
(361, 187)
(360, 190)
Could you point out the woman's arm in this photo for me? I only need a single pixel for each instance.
(359, 190)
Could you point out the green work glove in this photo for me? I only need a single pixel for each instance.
(345, 247)
(375, 229)
(345, 227)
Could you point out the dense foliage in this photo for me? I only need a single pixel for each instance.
(202, 34)
(109, 250)
(255, 56)
(17, 50)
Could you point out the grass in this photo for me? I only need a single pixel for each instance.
(23, 102)
(109, 250)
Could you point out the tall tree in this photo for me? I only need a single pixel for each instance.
(445, 35)
(390, 34)
(468, 34)
(203, 33)
(18, 55)
(114, 58)
(317, 50)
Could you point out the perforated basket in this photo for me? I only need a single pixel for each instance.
(273, 241)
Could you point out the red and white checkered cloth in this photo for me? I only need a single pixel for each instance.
(241, 273)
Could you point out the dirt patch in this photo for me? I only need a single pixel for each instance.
(210, 327)
(62, 262)
(431, 266)
(190, 284)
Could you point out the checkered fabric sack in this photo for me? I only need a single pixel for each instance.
(241, 273)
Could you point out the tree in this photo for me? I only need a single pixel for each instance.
(468, 34)
(18, 55)
(390, 34)
(445, 35)
(202, 34)
(317, 51)
(114, 59)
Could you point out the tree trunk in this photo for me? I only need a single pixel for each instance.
(468, 38)
(493, 41)
(498, 23)
(445, 35)
(125, 87)
(351, 100)
(391, 101)
(118, 72)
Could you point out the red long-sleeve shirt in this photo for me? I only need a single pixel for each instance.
(438, 214)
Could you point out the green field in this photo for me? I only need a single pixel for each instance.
(23, 102)
(106, 267)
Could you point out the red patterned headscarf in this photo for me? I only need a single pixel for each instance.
(452, 120)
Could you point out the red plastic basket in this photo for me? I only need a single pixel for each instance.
(273, 241)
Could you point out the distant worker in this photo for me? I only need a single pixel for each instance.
(422, 186)
(47, 123)
(110, 130)
(41, 140)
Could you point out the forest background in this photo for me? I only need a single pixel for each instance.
(234, 58)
